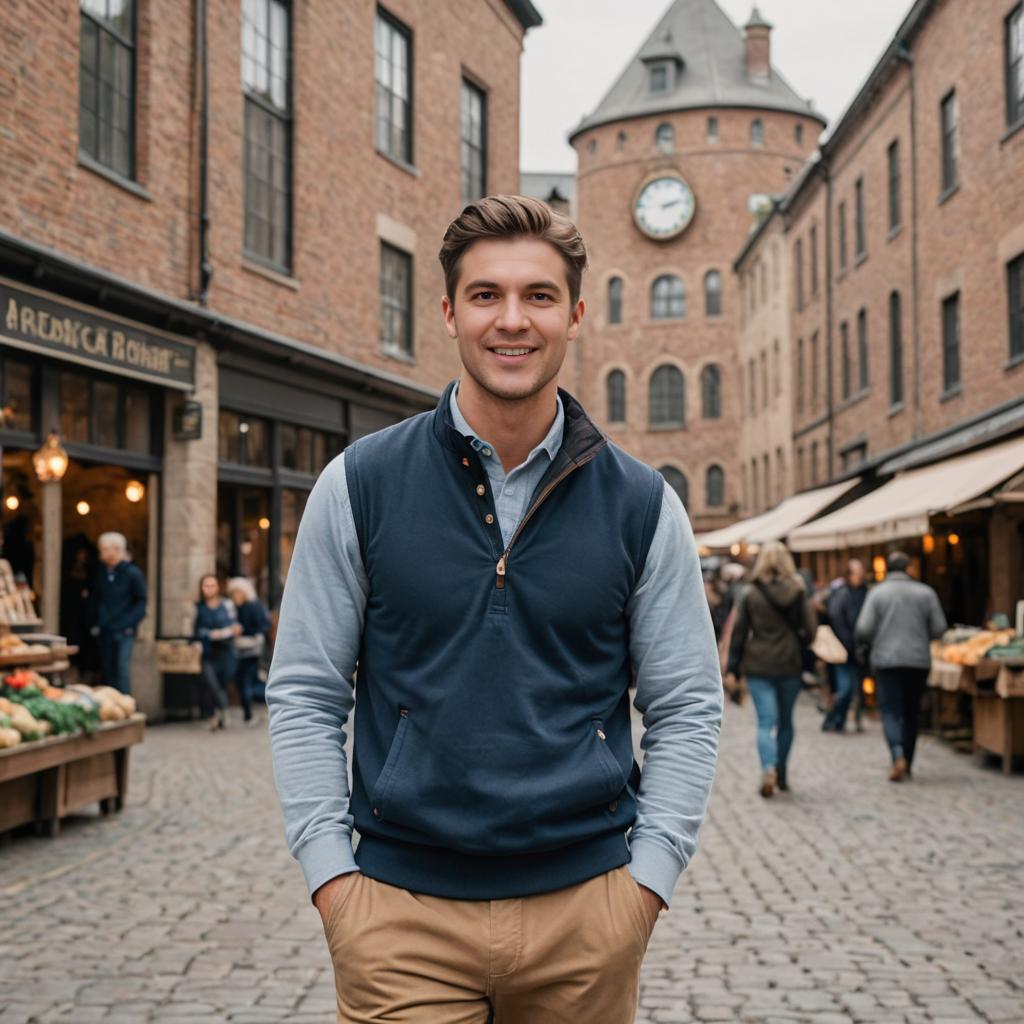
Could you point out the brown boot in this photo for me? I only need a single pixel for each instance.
(768, 783)
(899, 770)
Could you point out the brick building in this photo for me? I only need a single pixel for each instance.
(904, 272)
(689, 142)
(218, 234)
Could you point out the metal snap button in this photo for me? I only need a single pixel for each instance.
(376, 812)
(481, 490)
(613, 806)
(601, 735)
(489, 519)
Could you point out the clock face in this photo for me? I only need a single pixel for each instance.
(664, 207)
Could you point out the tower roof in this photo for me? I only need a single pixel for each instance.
(710, 54)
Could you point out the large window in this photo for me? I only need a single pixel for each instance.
(668, 299)
(951, 343)
(950, 142)
(615, 300)
(1015, 290)
(667, 398)
(862, 348)
(395, 301)
(714, 486)
(265, 82)
(616, 385)
(307, 451)
(105, 412)
(17, 396)
(676, 479)
(106, 84)
(895, 349)
(844, 355)
(711, 392)
(895, 214)
(1015, 65)
(861, 230)
(473, 142)
(713, 293)
(393, 76)
(243, 440)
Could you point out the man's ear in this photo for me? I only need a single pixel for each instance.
(448, 311)
(576, 319)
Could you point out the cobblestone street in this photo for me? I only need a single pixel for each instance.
(849, 899)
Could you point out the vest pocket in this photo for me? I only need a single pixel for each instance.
(613, 773)
(386, 779)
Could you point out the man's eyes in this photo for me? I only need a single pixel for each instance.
(533, 296)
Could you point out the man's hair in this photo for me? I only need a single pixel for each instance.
(513, 217)
(117, 539)
(897, 561)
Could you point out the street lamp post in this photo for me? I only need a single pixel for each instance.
(51, 463)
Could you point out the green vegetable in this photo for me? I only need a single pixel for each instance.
(65, 718)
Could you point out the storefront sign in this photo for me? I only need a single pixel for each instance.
(188, 421)
(44, 324)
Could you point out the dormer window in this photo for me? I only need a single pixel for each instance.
(660, 77)
(665, 138)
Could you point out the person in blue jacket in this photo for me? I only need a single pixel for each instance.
(216, 626)
(249, 644)
(119, 601)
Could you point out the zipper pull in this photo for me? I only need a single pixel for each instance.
(500, 581)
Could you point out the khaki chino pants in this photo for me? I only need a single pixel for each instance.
(568, 956)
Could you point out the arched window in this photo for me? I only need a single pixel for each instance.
(798, 134)
(715, 486)
(677, 481)
(620, 141)
(668, 299)
(665, 138)
(713, 293)
(615, 300)
(711, 392)
(757, 132)
(616, 384)
(667, 398)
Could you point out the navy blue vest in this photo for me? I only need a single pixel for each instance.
(493, 755)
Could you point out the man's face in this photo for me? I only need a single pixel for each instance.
(111, 554)
(856, 573)
(512, 315)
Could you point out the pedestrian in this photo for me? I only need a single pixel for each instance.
(774, 623)
(249, 644)
(844, 606)
(216, 626)
(119, 605)
(900, 618)
(457, 564)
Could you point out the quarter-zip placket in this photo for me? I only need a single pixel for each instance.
(502, 567)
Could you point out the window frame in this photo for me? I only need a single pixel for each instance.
(683, 479)
(615, 396)
(949, 143)
(1015, 299)
(798, 273)
(757, 132)
(815, 369)
(614, 298)
(860, 240)
(843, 263)
(665, 137)
(407, 351)
(663, 304)
(252, 100)
(713, 292)
(468, 87)
(1014, 69)
(714, 486)
(711, 392)
(846, 366)
(130, 44)
(667, 403)
(395, 25)
(814, 259)
(895, 185)
(895, 348)
(801, 371)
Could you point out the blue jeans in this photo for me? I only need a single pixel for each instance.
(246, 677)
(848, 683)
(774, 699)
(899, 699)
(116, 659)
(218, 669)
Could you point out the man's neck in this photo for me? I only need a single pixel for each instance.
(513, 428)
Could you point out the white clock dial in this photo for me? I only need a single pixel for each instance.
(664, 207)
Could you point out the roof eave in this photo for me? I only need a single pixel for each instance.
(528, 15)
(756, 234)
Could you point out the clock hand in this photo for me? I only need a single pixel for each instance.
(674, 202)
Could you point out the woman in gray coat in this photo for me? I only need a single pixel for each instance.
(774, 622)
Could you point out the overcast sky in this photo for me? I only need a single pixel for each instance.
(824, 48)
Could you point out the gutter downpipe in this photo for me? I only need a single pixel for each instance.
(903, 53)
(829, 314)
(202, 62)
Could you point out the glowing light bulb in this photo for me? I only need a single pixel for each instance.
(83, 508)
(134, 491)
(12, 503)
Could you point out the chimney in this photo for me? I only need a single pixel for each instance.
(759, 48)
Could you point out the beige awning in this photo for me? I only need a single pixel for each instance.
(776, 523)
(902, 507)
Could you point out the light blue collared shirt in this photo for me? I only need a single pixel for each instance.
(310, 693)
(512, 493)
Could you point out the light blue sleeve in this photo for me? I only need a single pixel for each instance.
(309, 691)
(679, 693)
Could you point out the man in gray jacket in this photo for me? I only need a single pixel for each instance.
(900, 618)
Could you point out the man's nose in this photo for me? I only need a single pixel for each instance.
(513, 316)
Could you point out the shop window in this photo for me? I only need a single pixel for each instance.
(104, 398)
(306, 451)
(243, 440)
(136, 420)
(75, 402)
(293, 504)
(106, 413)
(106, 84)
(17, 411)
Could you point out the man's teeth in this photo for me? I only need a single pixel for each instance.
(512, 351)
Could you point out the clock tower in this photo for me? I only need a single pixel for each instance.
(673, 165)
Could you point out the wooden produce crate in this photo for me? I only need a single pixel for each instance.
(44, 780)
(1010, 681)
(999, 726)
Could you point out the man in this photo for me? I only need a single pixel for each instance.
(498, 570)
(900, 618)
(844, 606)
(119, 597)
